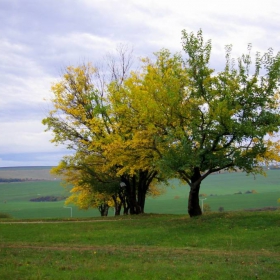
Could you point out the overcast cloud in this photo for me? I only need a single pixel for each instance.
(38, 38)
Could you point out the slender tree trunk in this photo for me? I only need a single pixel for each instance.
(193, 203)
(124, 194)
(134, 206)
(118, 205)
(141, 201)
(103, 209)
(142, 190)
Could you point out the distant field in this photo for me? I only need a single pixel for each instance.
(27, 172)
(15, 200)
(219, 189)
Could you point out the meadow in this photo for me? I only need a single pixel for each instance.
(219, 190)
(233, 245)
(42, 241)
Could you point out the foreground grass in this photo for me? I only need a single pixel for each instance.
(215, 246)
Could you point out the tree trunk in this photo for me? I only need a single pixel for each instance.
(142, 190)
(118, 205)
(103, 209)
(124, 194)
(134, 207)
(193, 203)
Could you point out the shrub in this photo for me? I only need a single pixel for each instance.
(221, 209)
(48, 198)
(238, 192)
(206, 207)
(5, 216)
(254, 191)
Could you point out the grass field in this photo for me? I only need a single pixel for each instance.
(219, 189)
(222, 246)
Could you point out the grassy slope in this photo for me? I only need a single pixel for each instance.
(215, 246)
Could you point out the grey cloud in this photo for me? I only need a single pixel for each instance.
(38, 39)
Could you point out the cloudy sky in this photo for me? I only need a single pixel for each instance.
(38, 38)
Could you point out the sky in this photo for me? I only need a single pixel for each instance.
(39, 38)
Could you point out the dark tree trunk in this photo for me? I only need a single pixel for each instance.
(103, 209)
(145, 179)
(134, 207)
(118, 205)
(193, 203)
(124, 195)
(135, 191)
(142, 190)
(141, 200)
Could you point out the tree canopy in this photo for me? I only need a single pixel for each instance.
(175, 117)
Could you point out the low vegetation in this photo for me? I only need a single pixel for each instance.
(145, 247)
(5, 216)
(47, 198)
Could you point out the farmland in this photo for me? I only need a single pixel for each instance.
(220, 190)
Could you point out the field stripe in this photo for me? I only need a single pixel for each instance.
(150, 249)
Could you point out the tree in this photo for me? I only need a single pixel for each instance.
(90, 187)
(222, 119)
(83, 119)
(199, 121)
(175, 117)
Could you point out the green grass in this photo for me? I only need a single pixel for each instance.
(215, 246)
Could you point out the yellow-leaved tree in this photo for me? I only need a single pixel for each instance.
(83, 120)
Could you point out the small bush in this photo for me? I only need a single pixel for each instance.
(5, 216)
(206, 208)
(47, 198)
(221, 209)
(238, 192)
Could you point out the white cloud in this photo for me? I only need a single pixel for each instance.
(25, 137)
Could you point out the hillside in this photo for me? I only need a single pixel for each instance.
(229, 191)
(27, 173)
